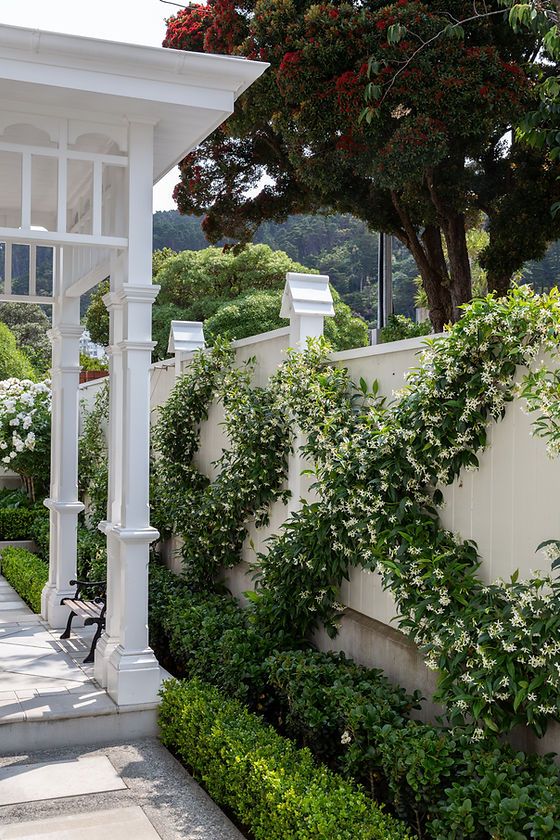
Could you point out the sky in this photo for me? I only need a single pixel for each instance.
(133, 21)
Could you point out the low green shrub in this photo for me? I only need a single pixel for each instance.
(208, 636)
(444, 784)
(26, 572)
(10, 498)
(448, 786)
(40, 532)
(335, 707)
(276, 790)
(400, 327)
(17, 523)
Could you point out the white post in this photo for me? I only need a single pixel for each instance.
(111, 636)
(133, 674)
(63, 503)
(306, 301)
(184, 337)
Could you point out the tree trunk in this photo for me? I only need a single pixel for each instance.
(453, 225)
(436, 279)
(498, 283)
(461, 281)
(429, 257)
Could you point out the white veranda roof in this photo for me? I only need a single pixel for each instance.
(186, 95)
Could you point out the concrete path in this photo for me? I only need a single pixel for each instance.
(42, 676)
(125, 792)
(133, 791)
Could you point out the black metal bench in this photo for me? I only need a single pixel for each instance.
(91, 609)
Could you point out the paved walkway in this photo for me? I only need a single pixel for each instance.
(134, 791)
(128, 792)
(41, 675)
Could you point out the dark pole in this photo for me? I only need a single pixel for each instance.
(381, 283)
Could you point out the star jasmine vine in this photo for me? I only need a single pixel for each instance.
(379, 468)
(212, 517)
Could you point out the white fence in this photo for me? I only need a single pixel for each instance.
(508, 506)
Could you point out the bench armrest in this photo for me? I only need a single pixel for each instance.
(85, 583)
(97, 585)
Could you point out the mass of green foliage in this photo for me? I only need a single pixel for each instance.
(221, 275)
(258, 311)
(16, 523)
(276, 790)
(13, 362)
(235, 294)
(377, 469)
(432, 156)
(399, 327)
(26, 572)
(437, 779)
(29, 325)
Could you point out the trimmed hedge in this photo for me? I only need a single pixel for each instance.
(276, 790)
(17, 523)
(26, 572)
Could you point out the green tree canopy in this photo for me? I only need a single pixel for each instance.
(13, 362)
(258, 311)
(431, 158)
(214, 273)
(197, 285)
(29, 324)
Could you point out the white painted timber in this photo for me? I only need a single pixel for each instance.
(185, 94)
(184, 338)
(307, 301)
(63, 503)
(86, 128)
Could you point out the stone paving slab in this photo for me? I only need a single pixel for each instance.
(39, 672)
(116, 824)
(173, 802)
(53, 780)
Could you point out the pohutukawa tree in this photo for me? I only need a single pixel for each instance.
(431, 154)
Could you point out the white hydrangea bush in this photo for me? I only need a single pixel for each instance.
(25, 410)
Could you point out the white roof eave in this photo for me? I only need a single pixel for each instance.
(185, 94)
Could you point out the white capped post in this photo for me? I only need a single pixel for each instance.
(307, 301)
(63, 503)
(184, 337)
(111, 635)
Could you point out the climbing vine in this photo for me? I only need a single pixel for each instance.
(93, 470)
(379, 469)
(212, 517)
(378, 472)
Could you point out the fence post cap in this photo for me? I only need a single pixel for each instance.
(306, 294)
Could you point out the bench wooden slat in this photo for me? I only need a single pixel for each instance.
(89, 609)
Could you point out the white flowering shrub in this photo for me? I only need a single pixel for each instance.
(25, 431)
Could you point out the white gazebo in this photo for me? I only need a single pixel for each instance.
(86, 128)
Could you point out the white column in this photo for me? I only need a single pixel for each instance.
(306, 301)
(133, 675)
(63, 503)
(111, 636)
